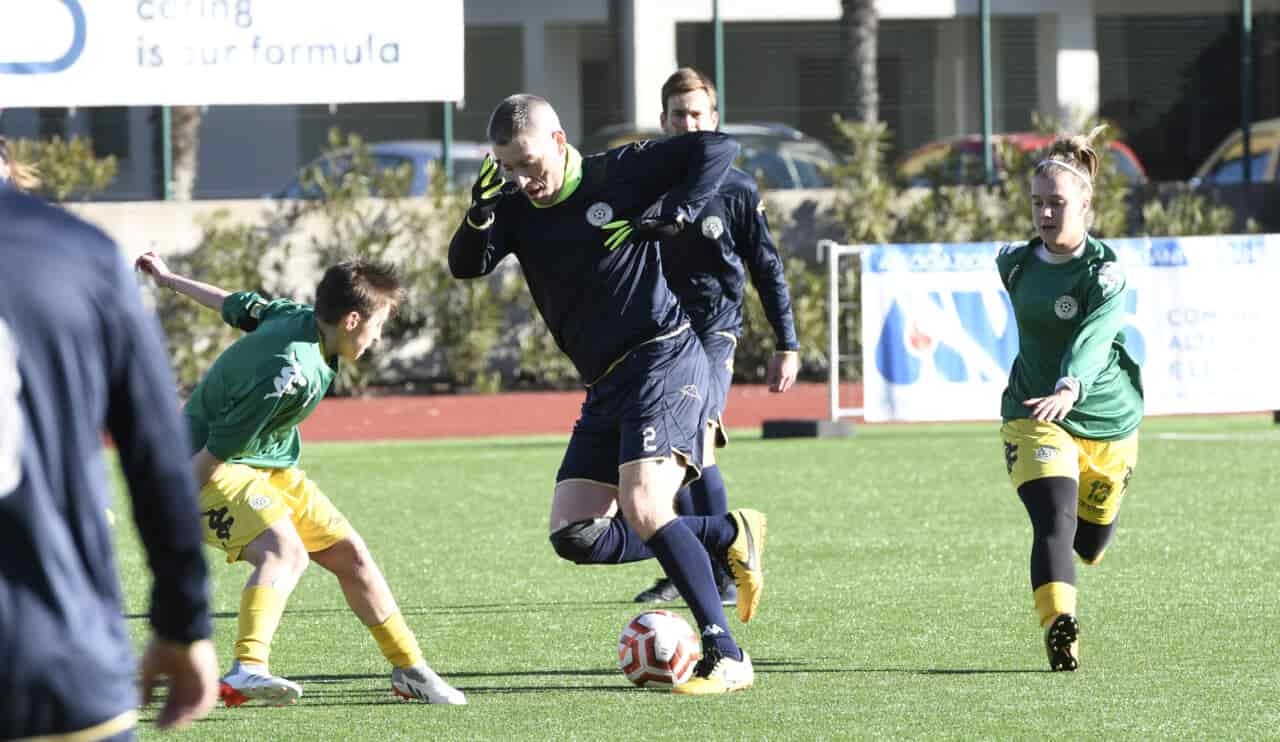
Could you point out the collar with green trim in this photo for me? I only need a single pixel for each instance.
(572, 177)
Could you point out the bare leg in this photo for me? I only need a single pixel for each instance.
(363, 585)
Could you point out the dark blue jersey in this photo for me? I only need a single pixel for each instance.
(79, 355)
(600, 301)
(707, 263)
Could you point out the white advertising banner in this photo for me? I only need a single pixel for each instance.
(939, 338)
(65, 53)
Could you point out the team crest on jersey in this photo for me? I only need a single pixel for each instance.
(1066, 307)
(712, 227)
(1045, 454)
(599, 214)
(1109, 277)
(259, 502)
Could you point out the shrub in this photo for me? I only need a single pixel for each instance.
(67, 167)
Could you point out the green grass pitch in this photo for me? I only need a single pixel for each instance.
(896, 606)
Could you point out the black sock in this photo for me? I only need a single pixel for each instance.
(1051, 503)
(1092, 538)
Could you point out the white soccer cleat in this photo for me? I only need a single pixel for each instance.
(421, 683)
(242, 685)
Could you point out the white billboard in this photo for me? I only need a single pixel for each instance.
(65, 53)
(938, 334)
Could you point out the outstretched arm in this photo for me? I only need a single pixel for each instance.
(210, 296)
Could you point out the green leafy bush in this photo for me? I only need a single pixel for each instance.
(67, 167)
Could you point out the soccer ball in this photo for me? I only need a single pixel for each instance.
(658, 649)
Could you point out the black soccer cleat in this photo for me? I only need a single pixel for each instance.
(728, 590)
(663, 591)
(1062, 643)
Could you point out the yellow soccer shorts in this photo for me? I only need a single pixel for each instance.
(1035, 450)
(240, 502)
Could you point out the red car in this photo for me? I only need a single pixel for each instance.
(961, 157)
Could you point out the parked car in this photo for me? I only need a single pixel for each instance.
(960, 158)
(416, 153)
(1225, 165)
(781, 156)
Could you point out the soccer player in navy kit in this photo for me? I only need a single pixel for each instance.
(594, 271)
(79, 355)
(704, 265)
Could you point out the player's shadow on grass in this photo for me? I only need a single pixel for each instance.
(336, 695)
(437, 610)
(768, 667)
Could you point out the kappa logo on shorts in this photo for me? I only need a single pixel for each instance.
(691, 391)
(599, 214)
(1010, 455)
(220, 523)
(1045, 454)
(259, 502)
(712, 227)
(1066, 307)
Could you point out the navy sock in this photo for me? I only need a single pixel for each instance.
(709, 494)
(716, 532)
(685, 503)
(685, 561)
(619, 545)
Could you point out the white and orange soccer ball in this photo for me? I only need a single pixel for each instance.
(658, 649)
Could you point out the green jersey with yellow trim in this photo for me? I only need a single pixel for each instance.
(1071, 317)
(247, 408)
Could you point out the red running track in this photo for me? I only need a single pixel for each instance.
(531, 413)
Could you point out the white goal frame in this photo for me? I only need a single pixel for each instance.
(832, 251)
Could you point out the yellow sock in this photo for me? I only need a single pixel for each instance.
(397, 642)
(261, 607)
(1053, 599)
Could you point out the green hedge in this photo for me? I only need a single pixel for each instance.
(486, 334)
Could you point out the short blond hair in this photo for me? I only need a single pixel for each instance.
(24, 176)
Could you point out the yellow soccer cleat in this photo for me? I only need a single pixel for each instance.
(1062, 643)
(745, 560)
(716, 674)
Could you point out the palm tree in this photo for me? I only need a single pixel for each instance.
(186, 150)
(861, 24)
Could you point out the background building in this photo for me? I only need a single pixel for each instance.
(1166, 71)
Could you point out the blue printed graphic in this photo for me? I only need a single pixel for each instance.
(61, 63)
(965, 347)
(1131, 336)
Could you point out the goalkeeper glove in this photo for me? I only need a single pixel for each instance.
(485, 193)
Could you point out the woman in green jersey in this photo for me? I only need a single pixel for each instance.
(1074, 400)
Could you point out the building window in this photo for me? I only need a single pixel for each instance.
(109, 128)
